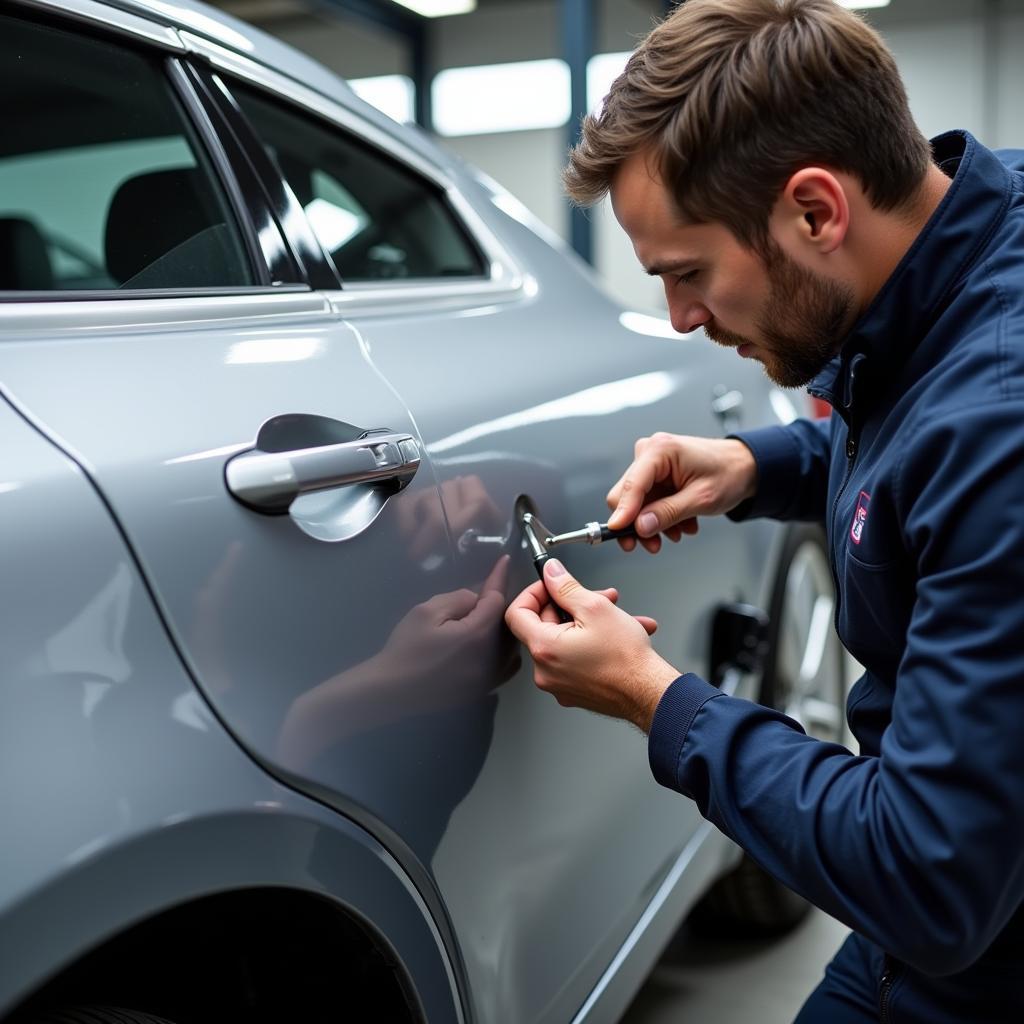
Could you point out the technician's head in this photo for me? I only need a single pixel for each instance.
(757, 152)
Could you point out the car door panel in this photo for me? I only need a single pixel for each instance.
(545, 397)
(263, 613)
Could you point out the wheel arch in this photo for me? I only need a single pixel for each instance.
(272, 886)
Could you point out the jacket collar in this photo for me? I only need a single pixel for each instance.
(912, 298)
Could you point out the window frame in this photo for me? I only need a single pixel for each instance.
(277, 198)
(357, 142)
(502, 277)
(140, 37)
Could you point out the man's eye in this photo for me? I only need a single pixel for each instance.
(686, 278)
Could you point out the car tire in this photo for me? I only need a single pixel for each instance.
(804, 677)
(98, 1015)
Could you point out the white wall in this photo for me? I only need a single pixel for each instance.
(960, 60)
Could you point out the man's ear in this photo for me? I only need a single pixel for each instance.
(813, 210)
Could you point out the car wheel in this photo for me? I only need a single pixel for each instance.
(97, 1015)
(803, 678)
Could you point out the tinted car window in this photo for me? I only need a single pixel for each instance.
(377, 219)
(101, 183)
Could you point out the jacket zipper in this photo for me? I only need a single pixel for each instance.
(890, 972)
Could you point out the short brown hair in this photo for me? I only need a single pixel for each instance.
(732, 96)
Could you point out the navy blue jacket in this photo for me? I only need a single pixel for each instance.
(917, 843)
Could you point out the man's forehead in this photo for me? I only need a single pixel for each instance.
(638, 180)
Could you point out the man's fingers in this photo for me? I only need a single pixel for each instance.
(633, 488)
(567, 592)
(549, 614)
(652, 544)
(667, 512)
(523, 615)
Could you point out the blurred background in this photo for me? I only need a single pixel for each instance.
(503, 82)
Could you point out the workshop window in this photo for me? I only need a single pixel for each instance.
(378, 220)
(101, 184)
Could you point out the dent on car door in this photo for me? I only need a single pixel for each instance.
(319, 630)
(549, 858)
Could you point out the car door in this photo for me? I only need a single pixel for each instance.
(155, 324)
(523, 379)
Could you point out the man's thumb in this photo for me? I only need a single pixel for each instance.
(564, 589)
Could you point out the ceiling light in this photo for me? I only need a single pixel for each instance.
(857, 5)
(438, 8)
(502, 97)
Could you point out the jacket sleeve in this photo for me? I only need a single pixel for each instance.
(792, 471)
(920, 849)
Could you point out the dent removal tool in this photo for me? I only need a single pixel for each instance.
(541, 540)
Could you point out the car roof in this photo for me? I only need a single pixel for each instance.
(235, 34)
(215, 25)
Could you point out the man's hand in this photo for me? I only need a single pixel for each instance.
(674, 479)
(602, 661)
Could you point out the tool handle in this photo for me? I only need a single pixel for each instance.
(607, 533)
(538, 564)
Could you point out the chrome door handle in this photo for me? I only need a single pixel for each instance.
(269, 482)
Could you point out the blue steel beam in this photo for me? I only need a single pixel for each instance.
(578, 46)
(414, 32)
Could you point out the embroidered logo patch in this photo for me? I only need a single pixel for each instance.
(860, 517)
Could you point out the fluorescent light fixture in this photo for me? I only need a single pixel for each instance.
(392, 94)
(602, 70)
(857, 5)
(438, 8)
(494, 98)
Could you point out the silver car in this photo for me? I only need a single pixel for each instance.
(274, 374)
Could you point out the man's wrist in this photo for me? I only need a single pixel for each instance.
(657, 677)
(746, 468)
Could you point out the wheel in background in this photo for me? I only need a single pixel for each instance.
(804, 678)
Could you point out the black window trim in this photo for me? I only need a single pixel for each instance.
(440, 190)
(280, 200)
(264, 233)
(171, 65)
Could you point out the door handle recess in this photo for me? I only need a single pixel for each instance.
(269, 482)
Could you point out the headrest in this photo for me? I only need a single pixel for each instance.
(24, 261)
(149, 215)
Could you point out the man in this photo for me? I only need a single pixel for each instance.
(761, 156)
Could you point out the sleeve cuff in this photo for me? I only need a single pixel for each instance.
(672, 720)
(776, 453)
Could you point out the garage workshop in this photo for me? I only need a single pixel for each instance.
(490, 533)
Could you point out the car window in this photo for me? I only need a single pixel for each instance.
(377, 219)
(102, 185)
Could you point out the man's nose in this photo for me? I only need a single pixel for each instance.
(688, 316)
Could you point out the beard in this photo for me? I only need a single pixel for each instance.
(803, 323)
